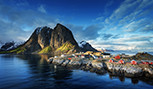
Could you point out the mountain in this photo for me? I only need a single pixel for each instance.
(39, 39)
(9, 45)
(143, 56)
(85, 46)
(45, 40)
(62, 40)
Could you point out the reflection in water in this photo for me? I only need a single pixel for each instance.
(134, 80)
(33, 71)
(121, 78)
(43, 57)
(7, 56)
(43, 71)
(43, 68)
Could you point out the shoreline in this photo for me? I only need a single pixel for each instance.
(102, 66)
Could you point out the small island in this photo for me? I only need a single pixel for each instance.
(123, 66)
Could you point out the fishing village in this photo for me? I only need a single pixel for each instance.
(122, 64)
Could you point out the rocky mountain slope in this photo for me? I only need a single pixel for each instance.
(45, 40)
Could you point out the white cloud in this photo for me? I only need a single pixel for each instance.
(124, 10)
(85, 33)
(131, 19)
(126, 42)
(42, 9)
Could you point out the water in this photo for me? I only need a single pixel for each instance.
(33, 72)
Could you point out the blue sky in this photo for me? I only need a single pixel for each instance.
(111, 24)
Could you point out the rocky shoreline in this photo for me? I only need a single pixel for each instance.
(102, 66)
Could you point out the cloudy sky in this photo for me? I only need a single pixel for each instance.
(111, 24)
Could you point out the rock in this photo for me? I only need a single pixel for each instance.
(149, 70)
(44, 37)
(58, 61)
(129, 71)
(50, 60)
(133, 72)
(75, 63)
(85, 62)
(38, 40)
(98, 65)
(65, 63)
(59, 37)
(101, 71)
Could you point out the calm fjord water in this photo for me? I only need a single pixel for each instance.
(33, 72)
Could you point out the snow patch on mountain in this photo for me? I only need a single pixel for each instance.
(81, 44)
(10, 45)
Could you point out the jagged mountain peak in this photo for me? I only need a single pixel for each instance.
(85, 46)
(42, 29)
(60, 35)
(61, 28)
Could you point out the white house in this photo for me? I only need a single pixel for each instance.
(106, 56)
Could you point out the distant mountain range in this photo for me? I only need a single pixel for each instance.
(9, 45)
(45, 40)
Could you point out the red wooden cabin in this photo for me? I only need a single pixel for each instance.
(121, 61)
(69, 58)
(111, 60)
(145, 62)
(134, 62)
(117, 57)
(151, 62)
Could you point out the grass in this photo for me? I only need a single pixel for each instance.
(17, 50)
(65, 47)
(45, 50)
(21, 50)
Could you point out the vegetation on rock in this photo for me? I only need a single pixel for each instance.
(45, 50)
(65, 48)
(16, 51)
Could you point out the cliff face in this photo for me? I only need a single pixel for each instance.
(45, 40)
(44, 37)
(61, 35)
(38, 40)
(62, 40)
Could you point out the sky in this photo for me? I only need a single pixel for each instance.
(109, 24)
